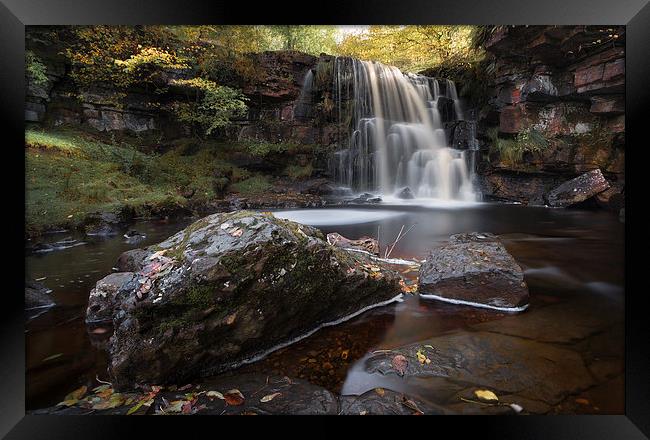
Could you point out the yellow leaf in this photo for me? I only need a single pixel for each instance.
(77, 394)
(269, 397)
(486, 395)
(380, 391)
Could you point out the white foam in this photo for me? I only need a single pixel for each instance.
(333, 217)
(474, 304)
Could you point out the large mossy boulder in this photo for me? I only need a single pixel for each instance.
(474, 269)
(225, 290)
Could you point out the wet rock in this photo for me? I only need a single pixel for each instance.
(37, 295)
(292, 396)
(227, 288)
(405, 193)
(474, 268)
(503, 364)
(578, 190)
(565, 322)
(106, 293)
(321, 187)
(103, 224)
(386, 402)
(41, 248)
(132, 260)
(134, 236)
(365, 198)
(367, 244)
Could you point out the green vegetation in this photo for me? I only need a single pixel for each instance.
(215, 109)
(297, 172)
(511, 151)
(70, 174)
(252, 185)
(35, 69)
(414, 48)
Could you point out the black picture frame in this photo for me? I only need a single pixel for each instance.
(15, 14)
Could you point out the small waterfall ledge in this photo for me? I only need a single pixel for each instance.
(395, 138)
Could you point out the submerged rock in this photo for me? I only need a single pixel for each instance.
(385, 402)
(367, 244)
(578, 190)
(405, 193)
(226, 289)
(474, 268)
(37, 295)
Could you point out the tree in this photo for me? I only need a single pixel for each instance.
(411, 48)
(310, 39)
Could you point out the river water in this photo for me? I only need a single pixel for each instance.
(566, 255)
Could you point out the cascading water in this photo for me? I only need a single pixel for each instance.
(396, 139)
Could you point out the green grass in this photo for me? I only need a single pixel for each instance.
(298, 172)
(253, 185)
(511, 151)
(70, 174)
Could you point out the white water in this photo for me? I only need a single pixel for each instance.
(335, 217)
(397, 139)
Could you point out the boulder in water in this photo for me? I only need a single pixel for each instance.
(474, 269)
(37, 295)
(578, 190)
(405, 193)
(228, 288)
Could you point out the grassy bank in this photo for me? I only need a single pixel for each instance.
(71, 173)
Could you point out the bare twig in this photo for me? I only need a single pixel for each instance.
(399, 237)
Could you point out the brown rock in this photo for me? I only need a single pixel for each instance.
(578, 190)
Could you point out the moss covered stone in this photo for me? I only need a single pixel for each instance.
(241, 283)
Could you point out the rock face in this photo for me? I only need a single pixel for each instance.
(547, 83)
(578, 190)
(474, 268)
(228, 288)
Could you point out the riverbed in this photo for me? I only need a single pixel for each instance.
(573, 262)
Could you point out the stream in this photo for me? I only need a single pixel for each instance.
(569, 257)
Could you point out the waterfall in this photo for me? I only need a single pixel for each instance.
(302, 110)
(396, 136)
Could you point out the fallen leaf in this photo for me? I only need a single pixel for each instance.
(399, 364)
(175, 406)
(213, 394)
(114, 401)
(380, 391)
(139, 405)
(344, 354)
(412, 405)
(185, 387)
(99, 331)
(234, 397)
(421, 357)
(187, 408)
(70, 402)
(77, 394)
(363, 413)
(486, 396)
(582, 401)
(269, 397)
(54, 356)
